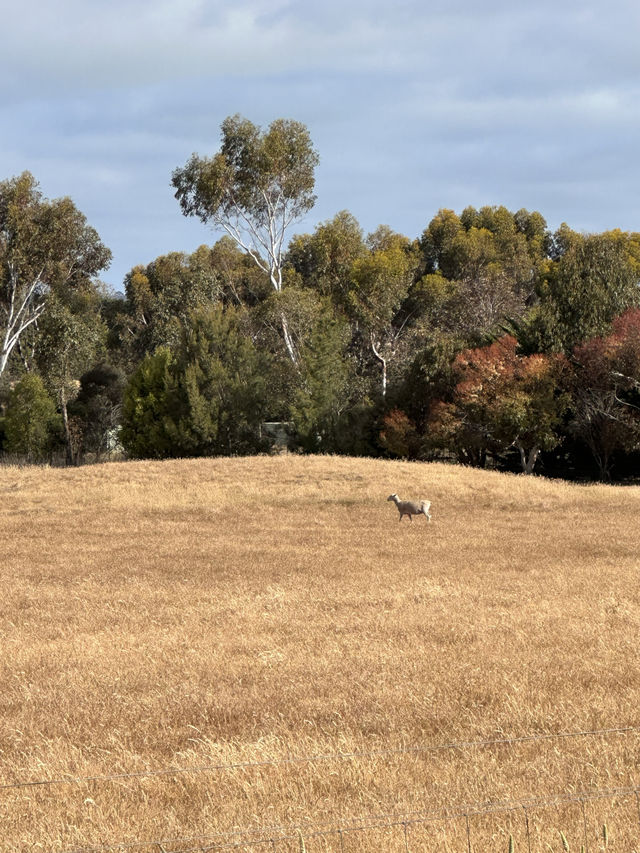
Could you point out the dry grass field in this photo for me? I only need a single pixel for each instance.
(267, 618)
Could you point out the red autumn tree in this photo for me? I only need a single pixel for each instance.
(605, 390)
(503, 400)
(399, 435)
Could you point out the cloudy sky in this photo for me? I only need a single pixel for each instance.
(413, 106)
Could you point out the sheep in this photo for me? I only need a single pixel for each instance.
(411, 508)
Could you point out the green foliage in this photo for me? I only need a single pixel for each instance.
(31, 424)
(45, 247)
(488, 263)
(149, 402)
(380, 281)
(431, 298)
(221, 387)
(254, 187)
(376, 345)
(98, 407)
(593, 281)
(240, 281)
(323, 394)
(324, 259)
(428, 377)
(300, 309)
(207, 399)
(437, 240)
(161, 296)
(70, 336)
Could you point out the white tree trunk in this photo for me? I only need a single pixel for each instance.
(19, 318)
(383, 362)
(4, 358)
(288, 340)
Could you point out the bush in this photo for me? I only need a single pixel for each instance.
(31, 425)
(207, 399)
(146, 408)
(399, 436)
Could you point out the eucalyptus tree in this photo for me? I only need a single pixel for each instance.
(379, 284)
(70, 337)
(594, 279)
(481, 268)
(254, 188)
(44, 246)
(324, 259)
(161, 295)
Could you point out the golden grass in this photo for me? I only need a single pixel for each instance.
(189, 613)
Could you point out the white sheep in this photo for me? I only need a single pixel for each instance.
(411, 508)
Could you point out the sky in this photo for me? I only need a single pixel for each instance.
(413, 106)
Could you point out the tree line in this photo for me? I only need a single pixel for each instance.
(488, 339)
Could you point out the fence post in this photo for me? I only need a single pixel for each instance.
(468, 834)
(526, 827)
(406, 840)
(584, 821)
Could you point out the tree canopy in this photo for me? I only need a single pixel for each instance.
(489, 338)
(45, 246)
(254, 188)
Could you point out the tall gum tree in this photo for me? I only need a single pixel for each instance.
(44, 246)
(380, 282)
(482, 267)
(254, 188)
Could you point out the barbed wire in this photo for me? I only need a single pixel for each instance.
(318, 757)
(275, 834)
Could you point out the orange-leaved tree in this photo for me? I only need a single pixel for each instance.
(605, 389)
(502, 400)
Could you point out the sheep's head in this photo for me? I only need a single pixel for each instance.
(392, 497)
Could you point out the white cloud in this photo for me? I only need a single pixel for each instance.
(79, 44)
(413, 105)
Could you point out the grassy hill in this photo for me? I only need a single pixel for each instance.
(272, 614)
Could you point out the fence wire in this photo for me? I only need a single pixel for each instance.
(271, 836)
(310, 759)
